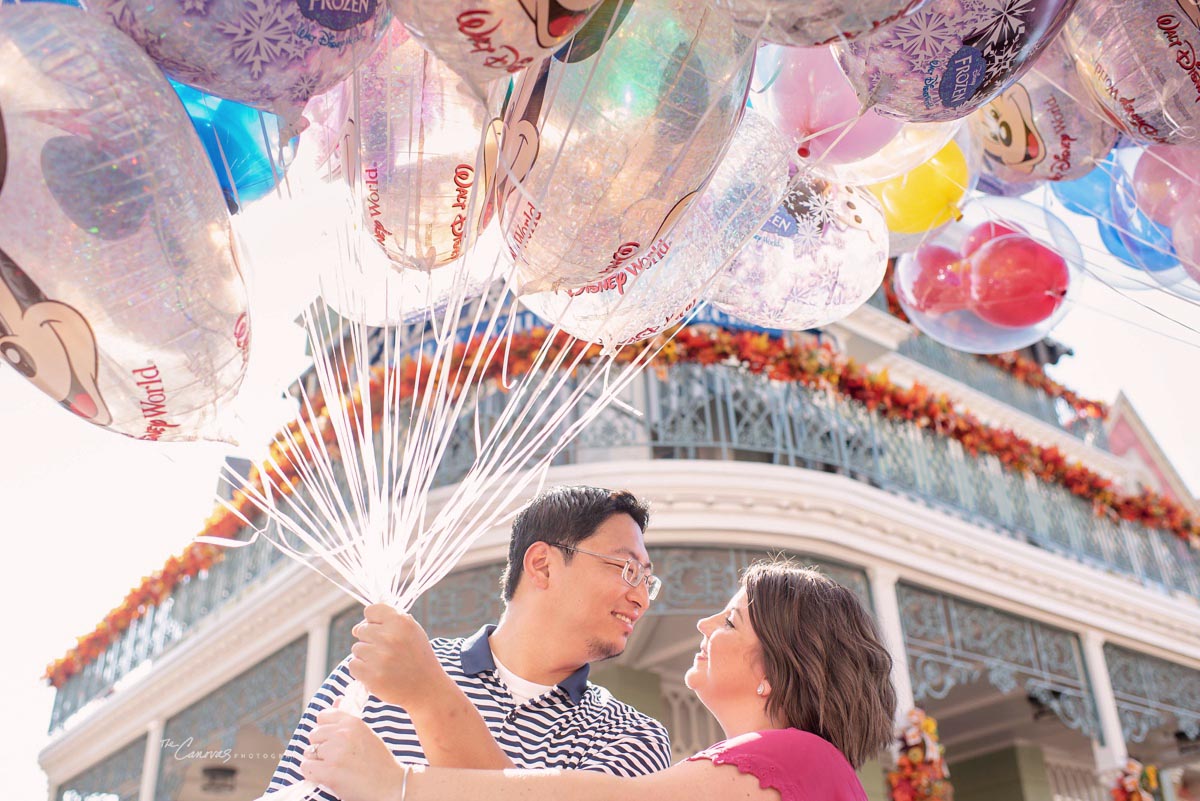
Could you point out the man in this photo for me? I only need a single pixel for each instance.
(578, 579)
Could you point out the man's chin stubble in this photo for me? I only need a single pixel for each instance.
(598, 650)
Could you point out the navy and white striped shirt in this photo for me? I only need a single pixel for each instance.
(575, 726)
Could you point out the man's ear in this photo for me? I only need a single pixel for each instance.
(536, 564)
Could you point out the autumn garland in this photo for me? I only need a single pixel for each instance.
(920, 772)
(1027, 371)
(776, 358)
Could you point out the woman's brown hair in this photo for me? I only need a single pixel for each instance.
(829, 672)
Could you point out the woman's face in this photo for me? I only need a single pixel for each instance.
(728, 666)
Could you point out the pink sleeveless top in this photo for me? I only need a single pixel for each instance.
(800, 765)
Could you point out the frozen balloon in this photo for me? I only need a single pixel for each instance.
(808, 23)
(603, 152)
(815, 260)
(1138, 61)
(487, 39)
(420, 132)
(120, 296)
(657, 291)
(949, 57)
(1036, 129)
(270, 54)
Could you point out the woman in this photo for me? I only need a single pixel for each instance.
(793, 669)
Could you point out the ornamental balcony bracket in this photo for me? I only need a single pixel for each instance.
(117, 776)
(951, 642)
(1152, 693)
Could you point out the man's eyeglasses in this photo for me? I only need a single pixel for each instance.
(633, 571)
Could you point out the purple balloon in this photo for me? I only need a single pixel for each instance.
(950, 57)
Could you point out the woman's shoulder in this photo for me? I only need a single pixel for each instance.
(799, 764)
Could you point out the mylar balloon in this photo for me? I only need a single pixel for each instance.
(816, 260)
(270, 54)
(650, 294)
(808, 23)
(949, 57)
(927, 196)
(119, 293)
(242, 144)
(808, 98)
(998, 280)
(1037, 130)
(420, 129)
(602, 155)
(487, 39)
(1138, 61)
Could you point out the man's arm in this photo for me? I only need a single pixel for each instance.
(394, 660)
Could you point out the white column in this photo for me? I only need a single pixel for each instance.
(154, 733)
(315, 667)
(887, 614)
(1112, 754)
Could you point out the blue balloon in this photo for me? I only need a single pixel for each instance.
(1089, 195)
(1148, 244)
(242, 143)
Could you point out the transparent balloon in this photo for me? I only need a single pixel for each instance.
(655, 292)
(120, 294)
(604, 152)
(322, 141)
(816, 260)
(997, 280)
(270, 54)
(1165, 176)
(948, 58)
(1136, 60)
(913, 145)
(808, 23)
(483, 40)
(1037, 129)
(420, 129)
(927, 196)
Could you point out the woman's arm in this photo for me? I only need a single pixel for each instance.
(353, 763)
(394, 660)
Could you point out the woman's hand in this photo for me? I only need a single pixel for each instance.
(350, 760)
(393, 658)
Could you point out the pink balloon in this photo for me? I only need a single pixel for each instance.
(1165, 175)
(1185, 235)
(808, 97)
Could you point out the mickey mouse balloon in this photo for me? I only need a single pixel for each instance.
(120, 297)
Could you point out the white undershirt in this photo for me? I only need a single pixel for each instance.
(521, 689)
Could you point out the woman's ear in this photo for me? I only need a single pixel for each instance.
(536, 564)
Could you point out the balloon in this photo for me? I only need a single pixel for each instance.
(994, 186)
(483, 40)
(603, 156)
(816, 22)
(328, 114)
(1088, 195)
(1147, 243)
(807, 96)
(913, 145)
(949, 57)
(120, 296)
(242, 144)
(1164, 177)
(1186, 236)
(1008, 293)
(420, 129)
(1137, 60)
(270, 54)
(1017, 282)
(816, 260)
(927, 196)
(644, 298)
(1036, 130)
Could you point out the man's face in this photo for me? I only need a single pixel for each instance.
(594, 603)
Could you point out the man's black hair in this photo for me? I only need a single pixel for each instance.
(565, 516)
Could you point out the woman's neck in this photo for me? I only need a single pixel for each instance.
(736, 722)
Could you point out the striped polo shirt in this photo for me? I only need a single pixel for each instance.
(575, 726)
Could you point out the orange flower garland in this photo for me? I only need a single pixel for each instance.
(1137, 782)
(774, 357)
(920, 773)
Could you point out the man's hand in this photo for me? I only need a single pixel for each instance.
(350, 760)
(393, 658)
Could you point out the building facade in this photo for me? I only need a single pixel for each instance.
(1050, 643)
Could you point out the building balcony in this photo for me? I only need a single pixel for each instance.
(726, 413)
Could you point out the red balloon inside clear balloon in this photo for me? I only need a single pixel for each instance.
(983, 233)
(942, 283)
(1017, 281)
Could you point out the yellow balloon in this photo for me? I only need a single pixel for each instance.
(926, 196)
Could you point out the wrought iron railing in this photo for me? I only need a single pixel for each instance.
(726, 413)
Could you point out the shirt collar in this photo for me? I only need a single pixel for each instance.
(476, 656)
